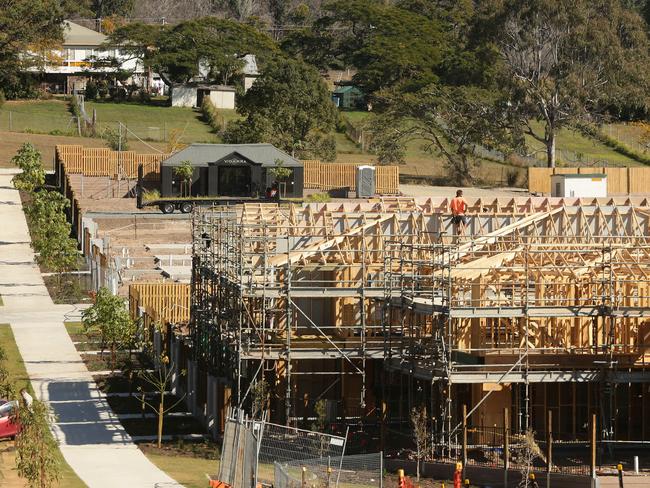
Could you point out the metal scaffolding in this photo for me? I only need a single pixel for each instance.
(329, 301)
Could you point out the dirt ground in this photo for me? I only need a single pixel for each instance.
(8, 476)
(11, 141)
(450, 191)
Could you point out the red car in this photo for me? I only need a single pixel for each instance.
(8, 426)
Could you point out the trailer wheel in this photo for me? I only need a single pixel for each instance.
(186, 207)
(167, 208)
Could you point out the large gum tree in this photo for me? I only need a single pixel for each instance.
(565, 61)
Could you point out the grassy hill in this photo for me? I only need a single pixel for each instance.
(150, 122)
(573, 149)
(156, 124)
(41, 116)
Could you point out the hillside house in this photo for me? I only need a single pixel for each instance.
(67, 69)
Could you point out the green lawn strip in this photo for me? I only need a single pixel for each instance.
(42, 116)
(74, 327)
(154, 122)
(189, 471)
(16, 369)
(1, 302)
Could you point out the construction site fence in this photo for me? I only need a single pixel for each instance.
(238, 453)
(362, 470)
(620, 181)
(169, 301)
(331, 176)
(251, 447)
(486, 446)
(92, 161)
(104, 269)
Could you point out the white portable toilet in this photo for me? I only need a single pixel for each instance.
(366, 181)
(591, 185)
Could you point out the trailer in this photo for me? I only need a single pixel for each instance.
(169, 205)
(186, 205)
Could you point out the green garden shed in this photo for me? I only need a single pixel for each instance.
(349, 97)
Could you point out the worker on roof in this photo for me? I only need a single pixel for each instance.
(458, 207)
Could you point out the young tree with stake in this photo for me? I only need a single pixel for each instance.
(159, 381)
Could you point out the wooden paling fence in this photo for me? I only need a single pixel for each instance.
(620, 181)
(169, 301)
(330, 176)
(93, 161)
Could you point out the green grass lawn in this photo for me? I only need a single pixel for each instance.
(574, 149)
(154, 122)
(635, 135)
(16, 369)
(74, 327)
(43, 116)
(355, 117)
(189, 471)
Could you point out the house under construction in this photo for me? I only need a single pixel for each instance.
(542, 304)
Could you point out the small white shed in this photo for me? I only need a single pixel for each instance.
(192, 95)
(579, 185)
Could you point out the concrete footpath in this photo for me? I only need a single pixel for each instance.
(91, 438)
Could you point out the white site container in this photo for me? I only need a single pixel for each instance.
(579, 185)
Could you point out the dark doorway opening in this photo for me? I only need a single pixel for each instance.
(234, 181)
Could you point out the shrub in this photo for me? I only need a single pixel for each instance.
(102, 88)
(75, 108)
(91, 90)
(512, 177)
(2, 98)
(36, 449)
(279, 172)
(115, 140)
(149, 195)
(110, 317)
(118, 94)
(318, 198)
(32, 175)
(185, 172)
(211, 115)
(58, 132)
(144, 96)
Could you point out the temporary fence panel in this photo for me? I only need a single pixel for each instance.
(287, 444)
(238, 454)
(281, 478)
(362, 470)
